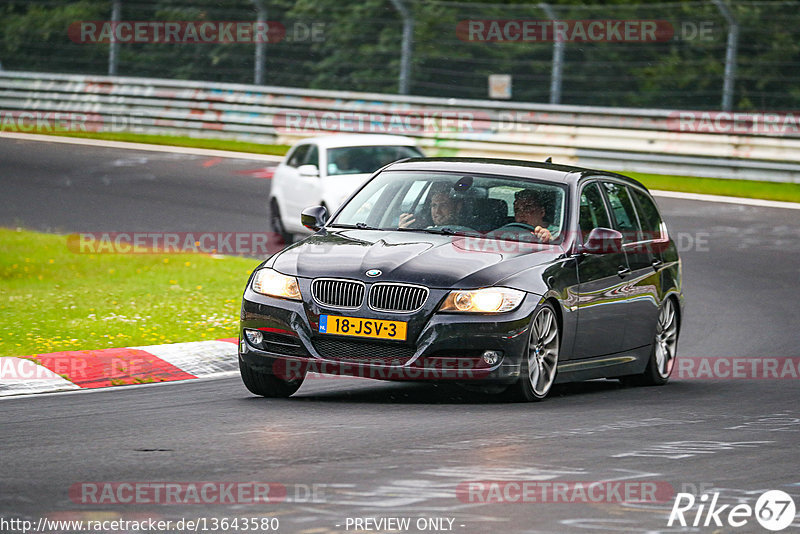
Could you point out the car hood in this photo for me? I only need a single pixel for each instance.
(338, 188)
(437, 261)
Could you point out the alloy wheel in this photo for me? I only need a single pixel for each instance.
(543, 352)
(666, 341)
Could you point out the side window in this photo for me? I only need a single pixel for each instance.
(593, 210)
(648, 214)
(412, 197)
(297, 157)
(623, 211)
(312, 157)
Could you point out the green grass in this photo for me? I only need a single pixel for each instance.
(191, 142)
(720, 186)
(52, 299)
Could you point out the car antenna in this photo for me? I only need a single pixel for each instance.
(549, 159)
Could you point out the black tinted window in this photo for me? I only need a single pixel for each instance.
(593, 210)
(648, 214)
(312, 157)
(297, 157)
(623, 211)
(366, 159)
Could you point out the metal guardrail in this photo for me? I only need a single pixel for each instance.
(644, 140)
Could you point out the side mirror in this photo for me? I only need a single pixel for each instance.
(308, 170)
(603, 241)
(315, 217)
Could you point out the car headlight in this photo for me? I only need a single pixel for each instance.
(486, 300)
(275, 284)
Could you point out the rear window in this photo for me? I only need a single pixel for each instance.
(366, 159)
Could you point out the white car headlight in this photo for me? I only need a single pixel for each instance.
(275, 284)
(486, 300)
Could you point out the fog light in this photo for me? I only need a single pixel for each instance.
(255, 337)
(491, 357)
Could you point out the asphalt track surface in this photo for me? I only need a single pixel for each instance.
(389, 450)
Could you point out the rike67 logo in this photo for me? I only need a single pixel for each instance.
(774, 510)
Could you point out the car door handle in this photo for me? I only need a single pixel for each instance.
(656, 263)
(623, 271)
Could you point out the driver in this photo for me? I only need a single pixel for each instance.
(345, 163)
(445, 209)
(529, 213)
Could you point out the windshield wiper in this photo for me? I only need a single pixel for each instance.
(359, 225)
(437, 231)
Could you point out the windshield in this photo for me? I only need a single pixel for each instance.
(366, 159)
(495, 206)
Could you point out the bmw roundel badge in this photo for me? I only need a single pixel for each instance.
(372, 273)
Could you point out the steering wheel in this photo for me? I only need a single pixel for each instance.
(519, 225)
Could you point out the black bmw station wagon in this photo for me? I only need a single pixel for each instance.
(502, 275)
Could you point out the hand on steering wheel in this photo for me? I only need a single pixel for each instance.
(541, 233)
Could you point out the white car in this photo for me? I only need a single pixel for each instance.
(325, 170)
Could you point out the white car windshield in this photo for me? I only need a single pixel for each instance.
(366, 159)
(509, 208)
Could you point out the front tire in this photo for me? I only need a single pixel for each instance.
(539, 364)
(276, 223)
(266, 384)
(665, 350)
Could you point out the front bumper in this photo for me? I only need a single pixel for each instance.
(440, 346)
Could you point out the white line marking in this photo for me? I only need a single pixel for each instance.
(730, 200)
(141, 146)
(117, 389)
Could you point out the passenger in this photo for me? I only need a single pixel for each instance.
(445, 209)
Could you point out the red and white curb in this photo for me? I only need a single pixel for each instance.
(90, 369)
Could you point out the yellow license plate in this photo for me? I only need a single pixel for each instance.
(356, 326)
